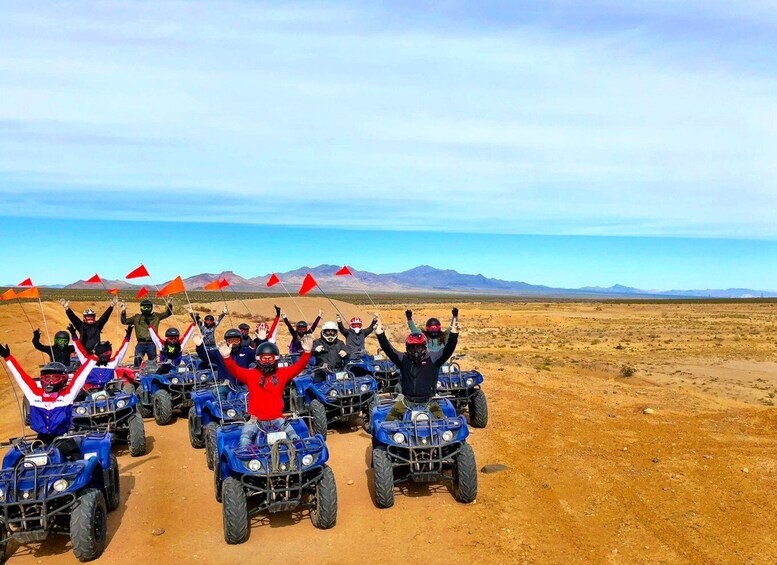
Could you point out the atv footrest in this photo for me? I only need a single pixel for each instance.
(30, 537)
(283, 506)
(428, 477)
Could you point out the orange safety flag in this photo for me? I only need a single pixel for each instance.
(215, 285)
(26, 282)
(273, 280)
(307, 285)
(137, 273)
(114, 291)
(29, 293)
(345, 271)
(95, 279)
(173, 287)
(142, 292)
(9, 294)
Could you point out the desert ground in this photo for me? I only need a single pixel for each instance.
(592, 477)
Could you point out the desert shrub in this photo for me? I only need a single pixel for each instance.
(627, 371)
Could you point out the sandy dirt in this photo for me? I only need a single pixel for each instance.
(591, 479)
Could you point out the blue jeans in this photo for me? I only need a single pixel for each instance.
(144, 348)
(251, 429)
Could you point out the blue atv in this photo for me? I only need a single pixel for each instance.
(333, 396)
(160, 394)
(211, 408)
(273, 475)
(463, 390)
(421, 449)
(111, 409)
(67, 487)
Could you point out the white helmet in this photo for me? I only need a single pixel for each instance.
(329, 332)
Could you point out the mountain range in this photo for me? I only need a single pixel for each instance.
(426, 279)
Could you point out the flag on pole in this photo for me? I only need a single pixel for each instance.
(29, 293)
(215, 285)
(95, 279)
(344, 272)
(307, 285)
(273, 280)
(142, 292)
(173, 287)
(223, 283)
(137, 273)
(114, 291)
(9, 294)
(26, 282)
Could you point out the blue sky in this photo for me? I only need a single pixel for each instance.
(605, 118)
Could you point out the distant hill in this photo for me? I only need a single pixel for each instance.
(427, 279)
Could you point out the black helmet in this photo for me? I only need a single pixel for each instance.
(244, 327)
(62, 336)
(102, 348)
(210, 321)
(232, 333)
(267, 348)
(433, 328)
(53, 377)
(146, 306)
(53, 369)
(172, 332)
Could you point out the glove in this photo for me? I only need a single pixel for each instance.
(128, 335)
(307, 343)
(114, 301)
(224, 349)
(277, 310)
(375, 318)
(123, 306)
(283, 315)
(319, 349)
(379, 329)
(339, 318)
(261, 333)
(343, 353)
(455, 312)
(197, 340)
(5, 351)
(409, 314)
(456, 327)
(64, 302)
(72, 329)
(36, 335)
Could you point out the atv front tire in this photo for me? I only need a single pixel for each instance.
(89, 525)
(162, 404)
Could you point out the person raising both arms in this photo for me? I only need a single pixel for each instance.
(300, 330)
(435, 337)
(142, 321)
(89, 327)
(355, 335)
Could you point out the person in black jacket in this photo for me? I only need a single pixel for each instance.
(328, 351)
(418, 369)
(60, 352)
(355, 335)
(89, 328)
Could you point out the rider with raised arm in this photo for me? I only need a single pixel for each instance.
(299, 331)
(435, 337)
(355, 335)
(104, 370)
(89, 327)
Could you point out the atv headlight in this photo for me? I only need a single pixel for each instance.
(439, 384)
(175, 380)
(447, 435)
(81, 411)
(231, 413)
(332, 393)
(377, 367)
(399, 437)
(470, 380)
(364, 387)
(204, 377)
(255, 465)
(422, 417)
(2, 494)
(121, 403)
(60, 485)
(307, 460)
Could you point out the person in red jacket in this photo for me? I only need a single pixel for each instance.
(266, 383)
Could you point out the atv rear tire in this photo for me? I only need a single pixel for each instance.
(324, 513)
(197, 440)
(112, 489)
(478, 410)
(210, 444)
(136, 436)
(465, 475)
(145, 411)
(89, 525)
(384, 478)
(318, 414)
(163, 407)
(371, 405)
(235, 511)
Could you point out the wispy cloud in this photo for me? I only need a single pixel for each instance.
(606, 118)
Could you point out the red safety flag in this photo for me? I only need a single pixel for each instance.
(95, 279)
(307, 285)
(344, 272)
(215, 285)
(142, 292)
(223, 283)
(114, 291)
(173, 287)
(9, 294)
(137, 273)
(29, 293)
(25, 282)
(273, 280)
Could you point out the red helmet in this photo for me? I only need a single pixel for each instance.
(415, 346)
(356, 322)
